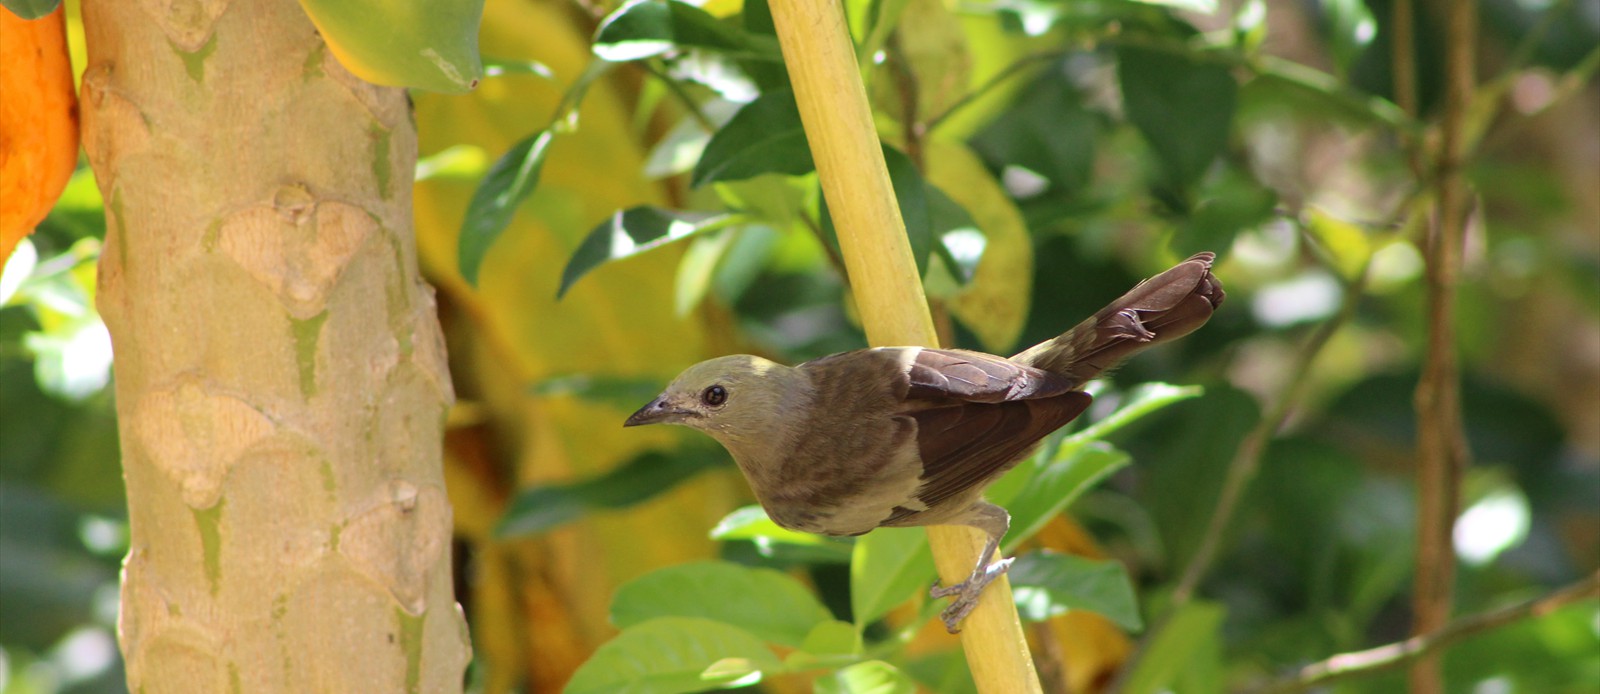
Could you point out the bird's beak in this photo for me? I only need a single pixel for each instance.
(658, 411)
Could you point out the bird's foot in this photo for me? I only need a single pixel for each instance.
(967, 593)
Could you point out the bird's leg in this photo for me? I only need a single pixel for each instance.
(995, 521)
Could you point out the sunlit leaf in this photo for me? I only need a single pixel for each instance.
(769, 604)
(870, 677)
(931, 48)
(995, 300)
(1199, 6)
(636, 230)
(1075, 468)
(1046, 584)
(696, 268)
(502, 68)
(455, 162)
(427, 45)
(1349, 28)
(1346, 245)
(646, 28)
(751, 524)
(832, 637)
(669, 655)
(18, 268)
(934, 222)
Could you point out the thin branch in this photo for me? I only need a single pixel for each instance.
(910, 92)
(1404, 50)
(834, 259)
(1374, 660)
(1012, 70)
(1441, 440)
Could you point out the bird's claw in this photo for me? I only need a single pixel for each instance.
(967, 593)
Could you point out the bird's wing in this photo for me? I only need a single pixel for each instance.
(962, 376)
(978, 414)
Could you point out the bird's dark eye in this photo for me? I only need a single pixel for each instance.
(714, 396)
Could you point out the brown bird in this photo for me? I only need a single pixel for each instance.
(905, 436)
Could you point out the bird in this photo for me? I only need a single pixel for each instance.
(911, 436)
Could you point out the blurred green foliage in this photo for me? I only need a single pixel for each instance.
(1125, 135)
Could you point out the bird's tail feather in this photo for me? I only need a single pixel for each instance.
(1162, 308)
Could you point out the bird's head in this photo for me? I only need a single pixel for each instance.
(730, 398)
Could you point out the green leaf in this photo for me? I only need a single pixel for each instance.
(830, 645)
(933, 221)
(1229, 203)
(1037, 490)
(647, 28)
(673, 654)
(426, 45)
(870, 677)
(456, 162)
(945, 672)
(619, 391)
(912, 193)
(959, 241)
(1197, 6)
(1346, 246)
(1141, 402)
(540, 508)
(832, 637)
(1183, 643)
(1349, 28)
(31, 9)
(889, 566)
(751, 524)
(1035, 17)
(1183, 107)
(18, 269)
(1073, 470)
(763, 137)
(1048, 132)
(633, 231)
(494, 203)
(696, 269)
(495, 67)
(1046, 584)
(767, 603)
(1305, 92)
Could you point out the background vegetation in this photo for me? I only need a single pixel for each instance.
(1047, 155)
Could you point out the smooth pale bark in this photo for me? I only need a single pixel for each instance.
(281, 382)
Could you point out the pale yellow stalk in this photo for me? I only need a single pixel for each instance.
(888, 292)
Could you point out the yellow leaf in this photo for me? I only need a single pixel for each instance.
(994, 304)
(1346, 244)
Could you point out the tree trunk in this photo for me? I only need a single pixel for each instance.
(281, 383)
